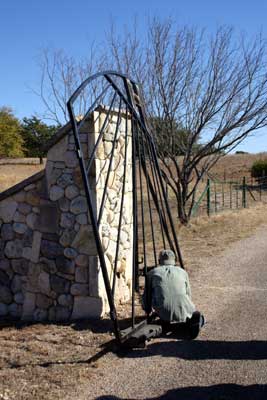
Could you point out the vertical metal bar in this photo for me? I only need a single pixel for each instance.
(149, 202)
(223, 196)
(231, 192)
(101, 133)
(215, 197)
(135, 224)
(109, 167)
(155, 160)
(244, 197)
(113, 314)
(236, 195)
(139, 155)
(208, 197)
(121, 206)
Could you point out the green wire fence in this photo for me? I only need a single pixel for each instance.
(219, 195)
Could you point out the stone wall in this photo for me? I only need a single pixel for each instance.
(49, 269)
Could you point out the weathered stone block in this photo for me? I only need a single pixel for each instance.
(59, 285)
(51, 249)
(84, 241)
(64, 204)
(3, 310)
(81, 274)
(82, 219)
(48, 218)
(67, 220)
(27, 238)
(48, 266)
(87, 307)
(27, 253)
(43, 301)
(70, 253)
(44, 283)
(6, 267)
(16, 284)
(32, 186)
(19, 298)
(4, 278)
(82, 260)
(7, 232)
(65, 180)
(67, 237)
(18, 217)
(20, 196)
(28, 306)
(40, 315)
(15, 310)
(6, 296)
(14, 249)
(31, 220)
(78, 205)
(56, 193)
(71, 192)
(24, 208)
(65, 300)
(8, 208)
(33, 198)
(19, 227)
(79, 289)
(20, 267)
(65, 265)
(62, 313)
(71, 159)
(36, 245)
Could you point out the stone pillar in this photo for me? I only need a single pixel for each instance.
(49, 269)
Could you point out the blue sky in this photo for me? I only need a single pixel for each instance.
(26, 27)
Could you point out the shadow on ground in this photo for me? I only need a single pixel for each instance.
(203, 350)
(216, 392)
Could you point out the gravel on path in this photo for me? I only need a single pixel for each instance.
(229, 358)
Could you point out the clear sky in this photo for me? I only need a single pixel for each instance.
(28, 26)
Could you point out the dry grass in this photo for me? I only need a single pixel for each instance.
(12, 174)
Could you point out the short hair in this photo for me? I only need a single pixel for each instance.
(166, 257)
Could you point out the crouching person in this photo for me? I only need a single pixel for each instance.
(168, 294)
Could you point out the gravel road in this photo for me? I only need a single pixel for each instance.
(227, 361)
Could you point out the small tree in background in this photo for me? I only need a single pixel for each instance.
(35, 134)
(259, 169)
(11, 141)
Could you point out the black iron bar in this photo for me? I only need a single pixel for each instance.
(122, 203)
(149, 205)
(101, 133)
(141, 197)
(96, 102)
(135, 224)
(113, 314)
(178, 252)
(109, 167)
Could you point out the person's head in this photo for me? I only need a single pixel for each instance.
(166, 257)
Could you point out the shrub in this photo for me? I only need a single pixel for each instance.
(259, 169)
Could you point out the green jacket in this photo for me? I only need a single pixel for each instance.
(167, 291)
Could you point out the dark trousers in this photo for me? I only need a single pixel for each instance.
(185, 330)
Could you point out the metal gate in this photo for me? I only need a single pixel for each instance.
(152, 223)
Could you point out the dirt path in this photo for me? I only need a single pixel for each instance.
(228, 361)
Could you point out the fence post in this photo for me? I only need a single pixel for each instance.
(236, 195)
(208, 197)
(215, 197)
(244, 193)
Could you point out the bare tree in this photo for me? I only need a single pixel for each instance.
(204, 93)
(60, 77)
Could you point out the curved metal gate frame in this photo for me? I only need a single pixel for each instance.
(119, 90)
